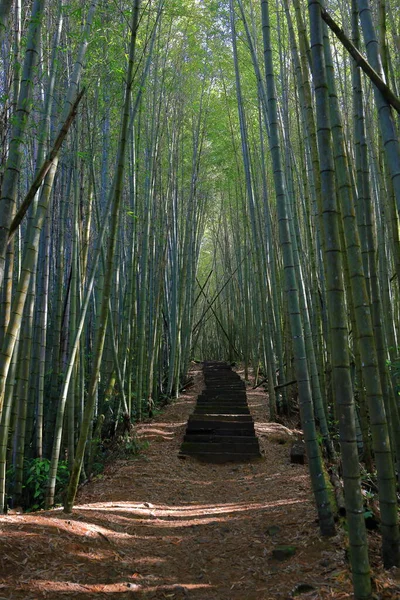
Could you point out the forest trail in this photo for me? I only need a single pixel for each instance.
(161, 527)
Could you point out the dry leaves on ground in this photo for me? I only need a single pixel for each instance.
(161, 527)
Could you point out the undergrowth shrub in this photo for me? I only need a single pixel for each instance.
(35, 477)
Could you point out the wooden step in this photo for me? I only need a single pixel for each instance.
(229, 380)
(219, 425)
(195, 431)
(221, 402)
(216, 389)
(229, 419)
(225, 376)
(217, 438)
(223, 392)
(223, 395)
(222, 409)
(229, 409)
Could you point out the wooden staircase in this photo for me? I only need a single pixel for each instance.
(221, 429)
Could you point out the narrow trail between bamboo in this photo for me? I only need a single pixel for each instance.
(162, 527)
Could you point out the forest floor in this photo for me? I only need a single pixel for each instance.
(158, 526)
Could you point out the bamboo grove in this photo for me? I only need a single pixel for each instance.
(192, 180)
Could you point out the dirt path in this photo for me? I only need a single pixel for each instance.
(162, 527)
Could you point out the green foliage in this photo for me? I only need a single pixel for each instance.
(132, 447)
(97, 467)
(35, 476)
(129, 446)
(394, 368)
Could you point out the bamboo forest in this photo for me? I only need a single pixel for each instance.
(200, 203)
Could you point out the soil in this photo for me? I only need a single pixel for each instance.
(158, 526)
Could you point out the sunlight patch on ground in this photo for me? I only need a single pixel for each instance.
(147, 426)
(48, 585)
(70, 526)
(96, 554)
(163, 516)
(132, 514)
(276, 428)
(196, 510)
(155, 433)
(155, 430)
(161, 431)
(150, 560)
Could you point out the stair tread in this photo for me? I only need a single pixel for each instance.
(221, 432)
(217, 438)
(223, 419)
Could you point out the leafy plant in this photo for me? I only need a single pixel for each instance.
(130, 446)
(36, 474)
(394, 368)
